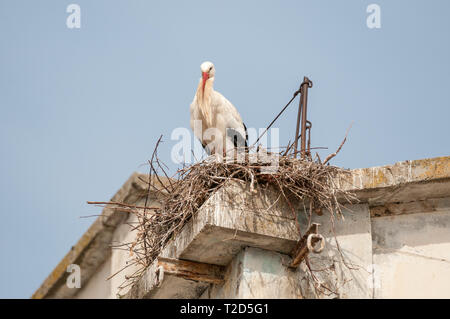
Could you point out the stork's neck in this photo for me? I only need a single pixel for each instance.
(203, 94)
(205, 89)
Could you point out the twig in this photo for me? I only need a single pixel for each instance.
(329, 157)
(121, 204)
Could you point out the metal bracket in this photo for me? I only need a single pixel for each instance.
(306, 245)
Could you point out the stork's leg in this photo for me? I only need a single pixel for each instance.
(206, 148)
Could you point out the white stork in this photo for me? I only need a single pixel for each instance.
(222, 128)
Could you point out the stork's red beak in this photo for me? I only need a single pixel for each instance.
(205, 77)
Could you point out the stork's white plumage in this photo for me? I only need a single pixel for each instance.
(221, 124)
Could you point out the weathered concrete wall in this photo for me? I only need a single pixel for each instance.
(412, 255)
(99, 286)
(348, 254)
(257, 273)
(260, 273)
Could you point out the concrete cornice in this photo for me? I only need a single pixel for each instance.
(402, 182)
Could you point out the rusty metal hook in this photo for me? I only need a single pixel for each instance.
(313, 249)
(307, 81)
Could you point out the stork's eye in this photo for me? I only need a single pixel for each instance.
(210, 68)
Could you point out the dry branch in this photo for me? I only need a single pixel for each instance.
(329, 157)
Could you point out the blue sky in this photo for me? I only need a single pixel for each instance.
(82, 108)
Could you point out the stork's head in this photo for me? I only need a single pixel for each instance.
(208, 70)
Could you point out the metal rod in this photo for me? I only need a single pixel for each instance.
(300, 131)
(304, 103)
(308, 127)
(271, 123)
(297, 129)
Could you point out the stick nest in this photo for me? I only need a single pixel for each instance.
(181, 196)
